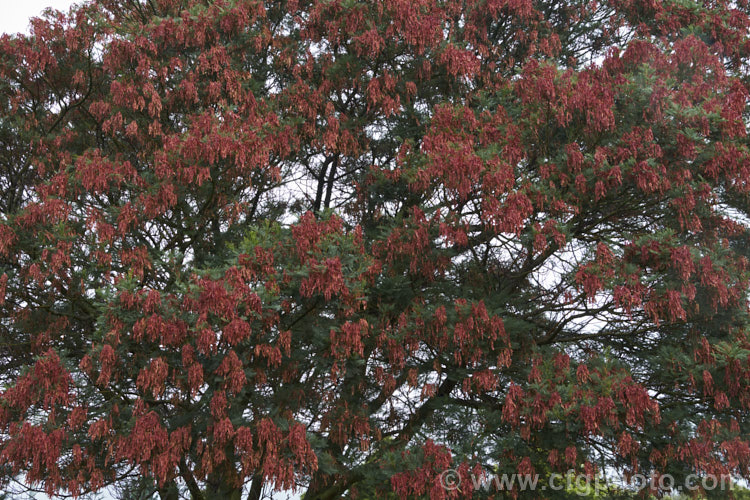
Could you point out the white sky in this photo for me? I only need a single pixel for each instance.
(15, 14)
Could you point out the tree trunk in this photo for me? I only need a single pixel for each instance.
(169, 491)
(256, 489)
(224, 492)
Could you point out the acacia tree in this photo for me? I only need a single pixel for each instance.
(341, 246)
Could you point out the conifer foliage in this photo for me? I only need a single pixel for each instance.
(343, 245)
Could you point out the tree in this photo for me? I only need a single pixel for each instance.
(342, 246)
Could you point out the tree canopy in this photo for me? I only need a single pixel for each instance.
(341, 246)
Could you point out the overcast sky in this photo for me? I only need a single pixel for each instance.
(15, 14)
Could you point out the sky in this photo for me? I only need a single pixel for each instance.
(15, 14)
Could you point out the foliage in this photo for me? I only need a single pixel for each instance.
(342, 246)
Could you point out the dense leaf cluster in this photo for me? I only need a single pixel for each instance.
(341, 246)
